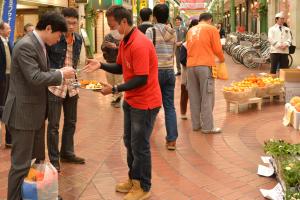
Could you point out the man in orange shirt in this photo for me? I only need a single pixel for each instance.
(203, 44)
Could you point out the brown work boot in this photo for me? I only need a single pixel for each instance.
(171, 145)
(137, 193)
(125, 186)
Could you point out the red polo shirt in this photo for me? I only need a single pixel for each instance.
(138, 57)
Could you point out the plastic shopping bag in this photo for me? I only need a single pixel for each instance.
(41, 183)
(222, 72)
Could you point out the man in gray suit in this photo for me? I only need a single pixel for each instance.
(26, 104)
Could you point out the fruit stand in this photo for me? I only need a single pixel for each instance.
(253, 89)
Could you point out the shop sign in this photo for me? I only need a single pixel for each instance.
(104, 4)
(9, 16)
(192, 5)
(143, 4)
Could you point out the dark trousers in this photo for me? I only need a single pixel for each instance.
(26, 145)
(69, 105)
(278, 60)
(4, 86)
(138, 126)
(184, 97)
(167, 80)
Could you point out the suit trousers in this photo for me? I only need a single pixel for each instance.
(55, 105)
(201, 91)
(177, 55)
(26, 145)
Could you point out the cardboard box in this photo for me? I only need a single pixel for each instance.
(291, 116)
(290, 75)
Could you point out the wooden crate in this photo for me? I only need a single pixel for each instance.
(254, 100)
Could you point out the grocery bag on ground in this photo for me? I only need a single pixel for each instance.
(222, 72)
(41, 183)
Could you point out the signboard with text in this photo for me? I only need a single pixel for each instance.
(9, 16)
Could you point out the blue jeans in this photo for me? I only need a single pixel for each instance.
(138, 126)
(167, 80)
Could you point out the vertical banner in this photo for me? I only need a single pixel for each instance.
(9, 16)
(143, 4)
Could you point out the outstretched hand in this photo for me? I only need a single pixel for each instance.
(91, 66)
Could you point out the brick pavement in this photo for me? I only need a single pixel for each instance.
(204, 167)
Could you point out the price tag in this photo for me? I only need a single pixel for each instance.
(266, 159)
(265, 171)
(274, 194)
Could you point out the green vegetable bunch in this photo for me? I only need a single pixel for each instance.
(278, 148)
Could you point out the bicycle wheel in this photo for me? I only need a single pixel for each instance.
(249, 59)
(290, 60)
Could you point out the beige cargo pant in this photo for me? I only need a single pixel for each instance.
(201, 90)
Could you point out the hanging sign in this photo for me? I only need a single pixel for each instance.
(9, 16)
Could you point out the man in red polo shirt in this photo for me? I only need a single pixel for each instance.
(137, 61)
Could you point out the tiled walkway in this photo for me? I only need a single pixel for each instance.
(204, 167)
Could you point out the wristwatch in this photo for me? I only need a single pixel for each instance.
(114, 89)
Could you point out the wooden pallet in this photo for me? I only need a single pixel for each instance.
(254, 100)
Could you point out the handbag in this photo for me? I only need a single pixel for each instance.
(292, 49)
(222, 72)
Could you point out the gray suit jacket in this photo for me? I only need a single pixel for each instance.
(26, 103)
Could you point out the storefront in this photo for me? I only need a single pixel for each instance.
(28, 11)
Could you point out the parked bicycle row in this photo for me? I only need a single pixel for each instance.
(251, 50)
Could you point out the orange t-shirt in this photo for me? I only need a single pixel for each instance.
(203, 44)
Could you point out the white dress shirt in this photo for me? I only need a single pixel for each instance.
(279, 35)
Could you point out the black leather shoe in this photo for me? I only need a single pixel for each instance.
(8, 146)
(59, 197)
(56, 165)
(72, 159)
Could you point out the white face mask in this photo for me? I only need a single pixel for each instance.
(115, 34)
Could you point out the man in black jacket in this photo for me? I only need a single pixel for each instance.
(5, 55)
(145, 15)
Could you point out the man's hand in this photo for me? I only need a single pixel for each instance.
(92, 65)
(68, 72)
(283, 46)
(178, 44)
(106, 89)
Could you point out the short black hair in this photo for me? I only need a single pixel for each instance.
(70, 12)
(205, 16)
(179, 18)
(27, 25)
(54, 19)
(145, 14)
(119, 13)
(2, 25)
(194, 22)
(161, 13)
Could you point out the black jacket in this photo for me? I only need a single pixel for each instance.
(144, 27)
(3, 60)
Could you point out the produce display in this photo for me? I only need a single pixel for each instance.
(253, 86)
(287, 160)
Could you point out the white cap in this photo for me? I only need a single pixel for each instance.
(279, 15)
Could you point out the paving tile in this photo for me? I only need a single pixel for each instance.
(204, 167)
